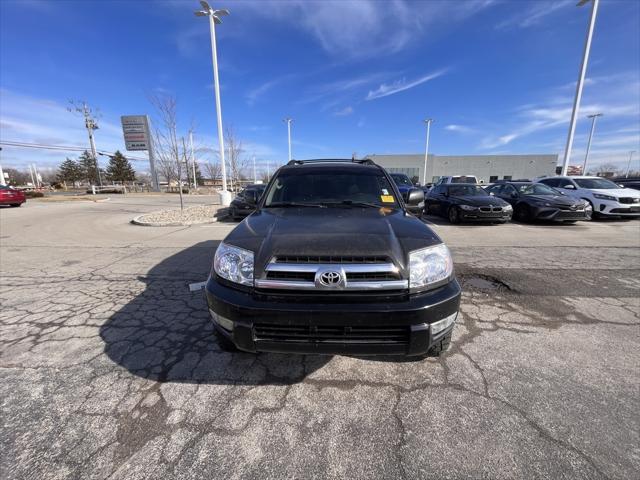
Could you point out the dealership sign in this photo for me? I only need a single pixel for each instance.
(136, 132)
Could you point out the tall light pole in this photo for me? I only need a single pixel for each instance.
(593, 126)
(288, 122)
(428, 121)
(631, 152)
(255, 178)
(583, 71)
(214, 17)
(193, 159)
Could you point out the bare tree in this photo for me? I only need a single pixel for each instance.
(213, 170)
(606, 169)
(171, 151)
(236, 158)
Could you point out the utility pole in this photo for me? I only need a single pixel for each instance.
(2, 179)
(91, 125)
(583, 71)
(428, 121)
(288, 122)
(255, 178)
(631, 152)
(33, 180)
(593, 126)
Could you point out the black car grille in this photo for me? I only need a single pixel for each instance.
(300, 276)
(352, 276)
(627, 200)
(384, 334)
(490, 209)
(330, 259)
(571, 214)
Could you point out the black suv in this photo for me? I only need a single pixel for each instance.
(331, 262)
(245, 201)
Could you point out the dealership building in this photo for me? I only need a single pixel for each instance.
(487, 168)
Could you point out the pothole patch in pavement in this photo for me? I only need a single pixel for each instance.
(483, 283)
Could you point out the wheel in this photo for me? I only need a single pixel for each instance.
(225, 344)
(454, 215)
(441, 346)
(522, 213)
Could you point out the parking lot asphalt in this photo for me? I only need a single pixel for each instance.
(109, 368)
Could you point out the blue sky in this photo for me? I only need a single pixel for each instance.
(356, 76)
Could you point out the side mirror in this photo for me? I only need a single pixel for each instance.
(621, 186)
(514, 195)
(569, 187)
(415, 197)
(492, 194)
(251, 198)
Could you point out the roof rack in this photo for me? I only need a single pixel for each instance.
(363, 161)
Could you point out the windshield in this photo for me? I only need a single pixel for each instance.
(401, 179)
(601, 183)
(466, 190)
(464, 180)
(330, 187)
(536, 189)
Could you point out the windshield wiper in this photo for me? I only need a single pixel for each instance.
(349, 203)
(294, 204)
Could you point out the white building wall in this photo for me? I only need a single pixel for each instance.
(482, 166)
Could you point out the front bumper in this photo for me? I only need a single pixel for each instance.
(480, 216)
(608, 207)
(399, 325)
(558, 215)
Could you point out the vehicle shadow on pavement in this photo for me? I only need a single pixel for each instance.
(165, 334)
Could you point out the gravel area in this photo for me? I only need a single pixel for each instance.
(189, 216)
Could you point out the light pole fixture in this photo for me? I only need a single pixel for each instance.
(593, 126)
(428, 121)
(583, 71)
(214, 18)
(288, 122)
(631, 152)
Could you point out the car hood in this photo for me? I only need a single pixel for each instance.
(478, 201)
(555, 200)
(617, 192)
(331, 231)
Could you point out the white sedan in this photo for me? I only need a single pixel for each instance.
(606, 198)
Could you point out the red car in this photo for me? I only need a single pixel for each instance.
(11, 196)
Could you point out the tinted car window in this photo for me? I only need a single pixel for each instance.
(536, 189)
(601, 183)
(331, 187)
(466, 190)
(552, 182)
(401, 179)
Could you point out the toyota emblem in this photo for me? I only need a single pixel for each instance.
(329, 279)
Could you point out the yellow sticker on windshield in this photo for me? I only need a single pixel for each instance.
(387, 198)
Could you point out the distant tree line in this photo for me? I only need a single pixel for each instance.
(84, 169)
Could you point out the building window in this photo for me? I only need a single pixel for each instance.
(507, 177)
(493, 178)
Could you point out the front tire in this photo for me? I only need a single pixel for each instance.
(225, 344)
(454, 215)
(441, 346)
(16, 205)
(522, 213)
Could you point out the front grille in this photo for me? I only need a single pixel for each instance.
(384, 334)
(570, 214)
(372, 276)
(301, 276)
(490, 209)
(628, 200)
(330, 259)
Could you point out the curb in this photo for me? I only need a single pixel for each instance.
(137, 221)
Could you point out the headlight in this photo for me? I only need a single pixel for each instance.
(587, 206)
(233, 263)
(468, 207)
(605, 197)
(428, 266)
(507, 207)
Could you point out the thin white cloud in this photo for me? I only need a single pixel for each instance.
(458, 128)
(535, 14)
(384, 90)
(346, 111)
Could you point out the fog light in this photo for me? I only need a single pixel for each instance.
(220, 320)
(443, 324)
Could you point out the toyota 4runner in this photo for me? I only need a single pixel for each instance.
(331, 262)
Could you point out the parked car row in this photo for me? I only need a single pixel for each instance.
(460, 199)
